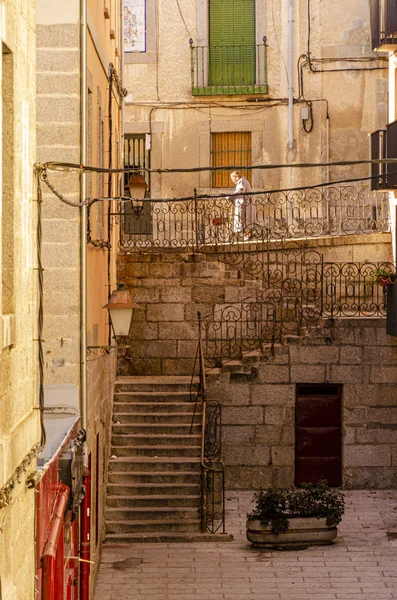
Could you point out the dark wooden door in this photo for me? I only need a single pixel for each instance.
(318, 445)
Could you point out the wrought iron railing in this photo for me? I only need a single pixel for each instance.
(212, 467)
(205, 224)
(297, 295)
(239, 69)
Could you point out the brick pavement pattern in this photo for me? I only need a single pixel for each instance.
(360, 565)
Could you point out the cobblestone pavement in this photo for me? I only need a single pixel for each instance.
(360, 565)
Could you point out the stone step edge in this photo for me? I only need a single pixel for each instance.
(162, 537)
(162, 393)
(154, 473)
(156, 497)
(189, 521)
(154, 447)
(160, 459)
(161, 436)
(145, 485)
(151, 509)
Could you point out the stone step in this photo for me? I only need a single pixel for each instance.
(157, 383)
(153, 500)
(130, 439)
(122, 408)
(144, 463)
(148, 489)
(152, 513)
(154, 477)
(157, 397)
(157, 417)
(155, 451)
(165, 538)
(157, 428)
(147, 525)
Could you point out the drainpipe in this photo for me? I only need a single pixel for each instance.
(83, 215)
(290, 74)
(52, 576)
(122, 101)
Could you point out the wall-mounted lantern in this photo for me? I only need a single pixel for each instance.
(137, 187)
(121, 307)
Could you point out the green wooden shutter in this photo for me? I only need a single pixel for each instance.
(232, 42)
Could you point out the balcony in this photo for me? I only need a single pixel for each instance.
(383, 146)
(384, 25)
(378, 151)
(227, 70)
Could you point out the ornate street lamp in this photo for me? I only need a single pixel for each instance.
(121, 308)
(137, 187)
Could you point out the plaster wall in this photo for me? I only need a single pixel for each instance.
(19, 430)
(160, 100)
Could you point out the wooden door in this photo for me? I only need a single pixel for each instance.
(318, 445)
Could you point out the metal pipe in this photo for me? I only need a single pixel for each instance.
(85, 531)
(49, 557)
(83, 214)
(290, 74)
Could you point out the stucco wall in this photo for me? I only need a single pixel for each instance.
(160, 100)
(19, 430)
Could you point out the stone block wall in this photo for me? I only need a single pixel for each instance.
(259, 405)
(259, 395)
(171, 289)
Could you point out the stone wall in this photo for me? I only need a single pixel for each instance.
(258, 393)
(258, 401)
(172, 287)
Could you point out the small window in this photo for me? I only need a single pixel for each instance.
(231, 149)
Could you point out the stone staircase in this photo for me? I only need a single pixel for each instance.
(153, 491)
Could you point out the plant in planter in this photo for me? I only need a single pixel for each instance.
(295, 517)
(385, 276)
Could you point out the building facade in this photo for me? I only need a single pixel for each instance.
(235, 83)
(286, 314)
(79, 97)
(20, 438)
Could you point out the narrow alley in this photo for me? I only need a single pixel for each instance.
(360, 565)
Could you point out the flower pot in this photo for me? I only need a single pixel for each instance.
(302, 531)
(385, 280)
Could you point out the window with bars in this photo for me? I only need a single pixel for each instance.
(137, 157)
(230, 149)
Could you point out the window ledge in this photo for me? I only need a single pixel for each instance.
(229, 90)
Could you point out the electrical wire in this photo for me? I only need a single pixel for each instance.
(182, 17)
(251, 193)
(60, 166)
(40, 318)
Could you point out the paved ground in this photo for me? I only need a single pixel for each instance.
(360, 565)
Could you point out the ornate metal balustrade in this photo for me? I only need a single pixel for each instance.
(239, 69)
(212, 467)
(211, 224)
(298, 293)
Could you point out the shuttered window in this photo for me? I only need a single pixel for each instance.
(232, 42)
(230, 150)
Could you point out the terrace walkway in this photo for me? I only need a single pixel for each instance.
(361, 565)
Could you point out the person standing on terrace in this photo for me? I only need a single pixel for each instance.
(243, 208)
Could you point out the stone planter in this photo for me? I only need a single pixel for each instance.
(301, 532)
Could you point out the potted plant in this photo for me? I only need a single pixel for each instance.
(291, 517)
(385, 276)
